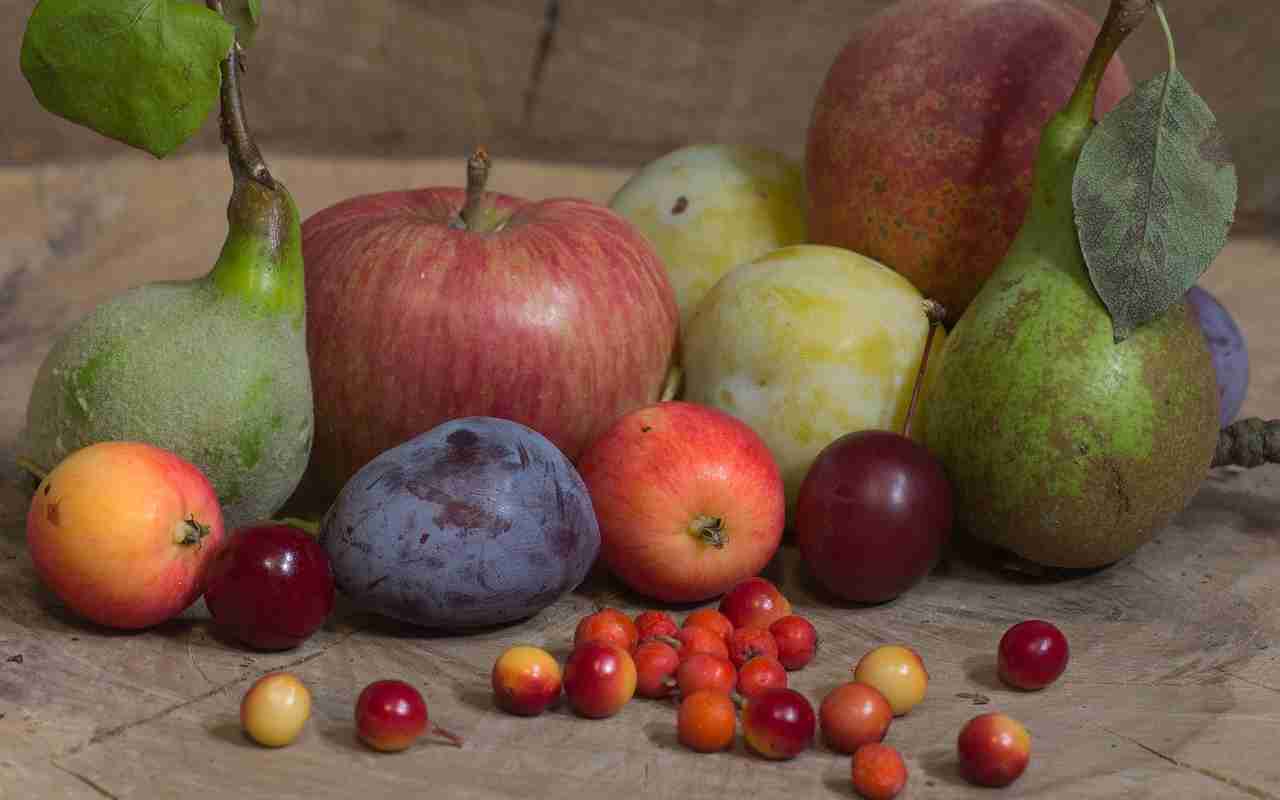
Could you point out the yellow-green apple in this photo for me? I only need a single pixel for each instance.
(923, 134)
(689, 500)
(555, 314)
(124, 533)
(707, 208)
(808, 343)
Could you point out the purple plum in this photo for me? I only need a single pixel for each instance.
(1229, 351)
(477, 522)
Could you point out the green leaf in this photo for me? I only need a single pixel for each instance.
(143, 72)
(245, 15)
(1154, 197)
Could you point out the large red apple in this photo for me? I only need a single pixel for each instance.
(555, 314)
(689, 499)
(124, 533)
(923, 135)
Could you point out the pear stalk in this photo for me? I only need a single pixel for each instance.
(1123, 17)
(936, 313)
(242, 151)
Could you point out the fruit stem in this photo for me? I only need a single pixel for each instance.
(452, 737)
(936, 313)
(1249, 442)
(242, 151)
(476, 215)
(1122, 18)
(673, 384)
(710, 530)
(190, 532)
(32, 467)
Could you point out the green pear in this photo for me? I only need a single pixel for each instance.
(1065, 447)
(214, 369)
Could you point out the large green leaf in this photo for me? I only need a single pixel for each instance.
(1154, 195)
(144, 72)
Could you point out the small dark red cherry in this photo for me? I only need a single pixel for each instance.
(271, 587)
(1032, 654)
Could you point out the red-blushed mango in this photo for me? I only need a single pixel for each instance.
(923, 135)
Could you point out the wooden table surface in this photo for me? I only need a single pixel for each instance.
(1173, 688)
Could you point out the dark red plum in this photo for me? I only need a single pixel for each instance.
(1229, 351)
(479, 521)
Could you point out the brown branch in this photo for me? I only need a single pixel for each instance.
(1249, 442)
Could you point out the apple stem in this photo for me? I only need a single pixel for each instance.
(1249, 442)
(246, 159)
(32, 467)
(478, 166)
(935, 312)
(444, 734)
(738, 700)
(190, 532)
(710, 530)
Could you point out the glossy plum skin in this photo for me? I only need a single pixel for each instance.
(477, 522)
(873, 515)
(270, 587)
(1032, 655)
(1228, 348)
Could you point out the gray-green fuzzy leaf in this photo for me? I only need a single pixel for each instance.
(1154, 196)
(143, 72)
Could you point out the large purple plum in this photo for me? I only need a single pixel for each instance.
(479, 521)
(1229, 351)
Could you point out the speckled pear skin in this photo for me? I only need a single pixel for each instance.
(1065, 447)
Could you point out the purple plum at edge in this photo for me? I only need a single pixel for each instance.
(1228, 348)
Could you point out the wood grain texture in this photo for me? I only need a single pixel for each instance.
(614, 81)
(1173, 688)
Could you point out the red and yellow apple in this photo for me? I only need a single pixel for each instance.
(124, 533)
(706, 208)
(555, 314)
(689, 500)
(923, 134)
(806, 344)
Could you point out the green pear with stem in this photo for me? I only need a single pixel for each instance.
(1065, 447)
(214, 369)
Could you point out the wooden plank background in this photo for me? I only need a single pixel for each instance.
(616, 82)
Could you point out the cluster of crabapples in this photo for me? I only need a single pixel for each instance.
(731, 663)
